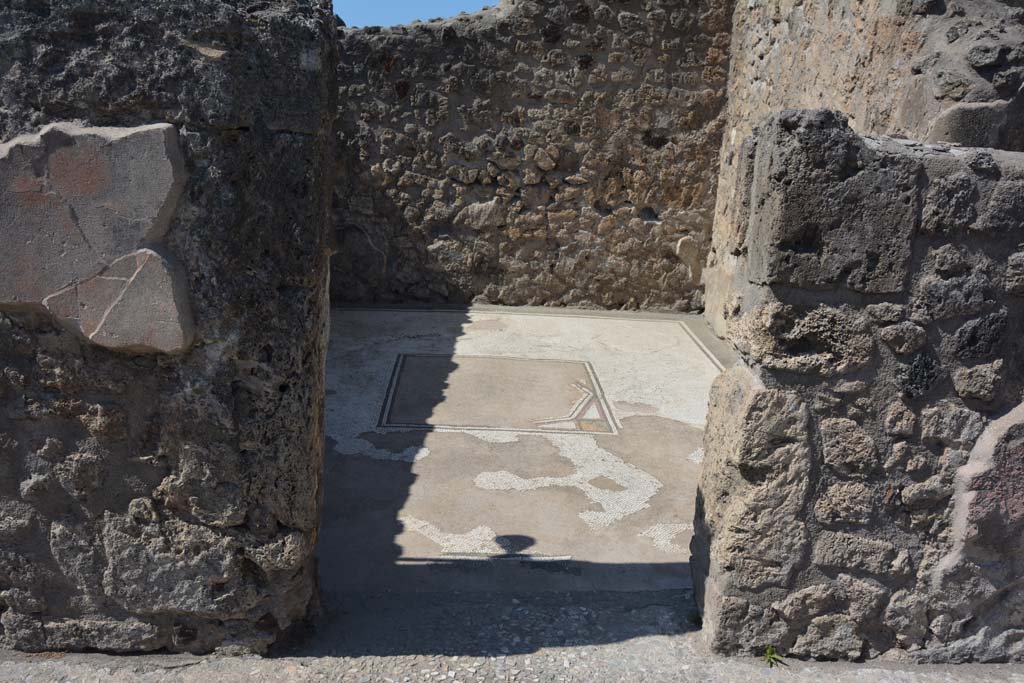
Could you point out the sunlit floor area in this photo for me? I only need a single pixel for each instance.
(505, 454)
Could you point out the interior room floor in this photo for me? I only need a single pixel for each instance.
(512, 451)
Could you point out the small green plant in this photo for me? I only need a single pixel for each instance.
(772, 657)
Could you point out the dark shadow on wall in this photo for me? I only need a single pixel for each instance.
(700, 552)
(382, 257)
(374, 601)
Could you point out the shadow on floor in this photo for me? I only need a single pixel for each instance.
(480, 623)
(375, 602)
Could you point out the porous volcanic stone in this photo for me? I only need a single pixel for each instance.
(912, 444)
(162, 501)
(543, 153)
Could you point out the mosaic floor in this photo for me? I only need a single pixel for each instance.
(512, 449)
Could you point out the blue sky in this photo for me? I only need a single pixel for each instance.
(392, 12)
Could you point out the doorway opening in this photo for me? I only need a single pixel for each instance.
(500, 480)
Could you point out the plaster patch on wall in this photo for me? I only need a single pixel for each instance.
(83, 210)
(982, 512)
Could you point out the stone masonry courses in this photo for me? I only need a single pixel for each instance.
(187, 185)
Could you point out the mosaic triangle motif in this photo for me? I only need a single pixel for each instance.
(439, 392)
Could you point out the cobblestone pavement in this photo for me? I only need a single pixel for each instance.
(676, 659)
(557, 638)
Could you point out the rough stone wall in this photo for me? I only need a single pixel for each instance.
(861, 492)
(862, 488)
(555, 152)
(929, 70)
(170, 501)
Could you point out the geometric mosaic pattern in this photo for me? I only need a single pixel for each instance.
(492, 393)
